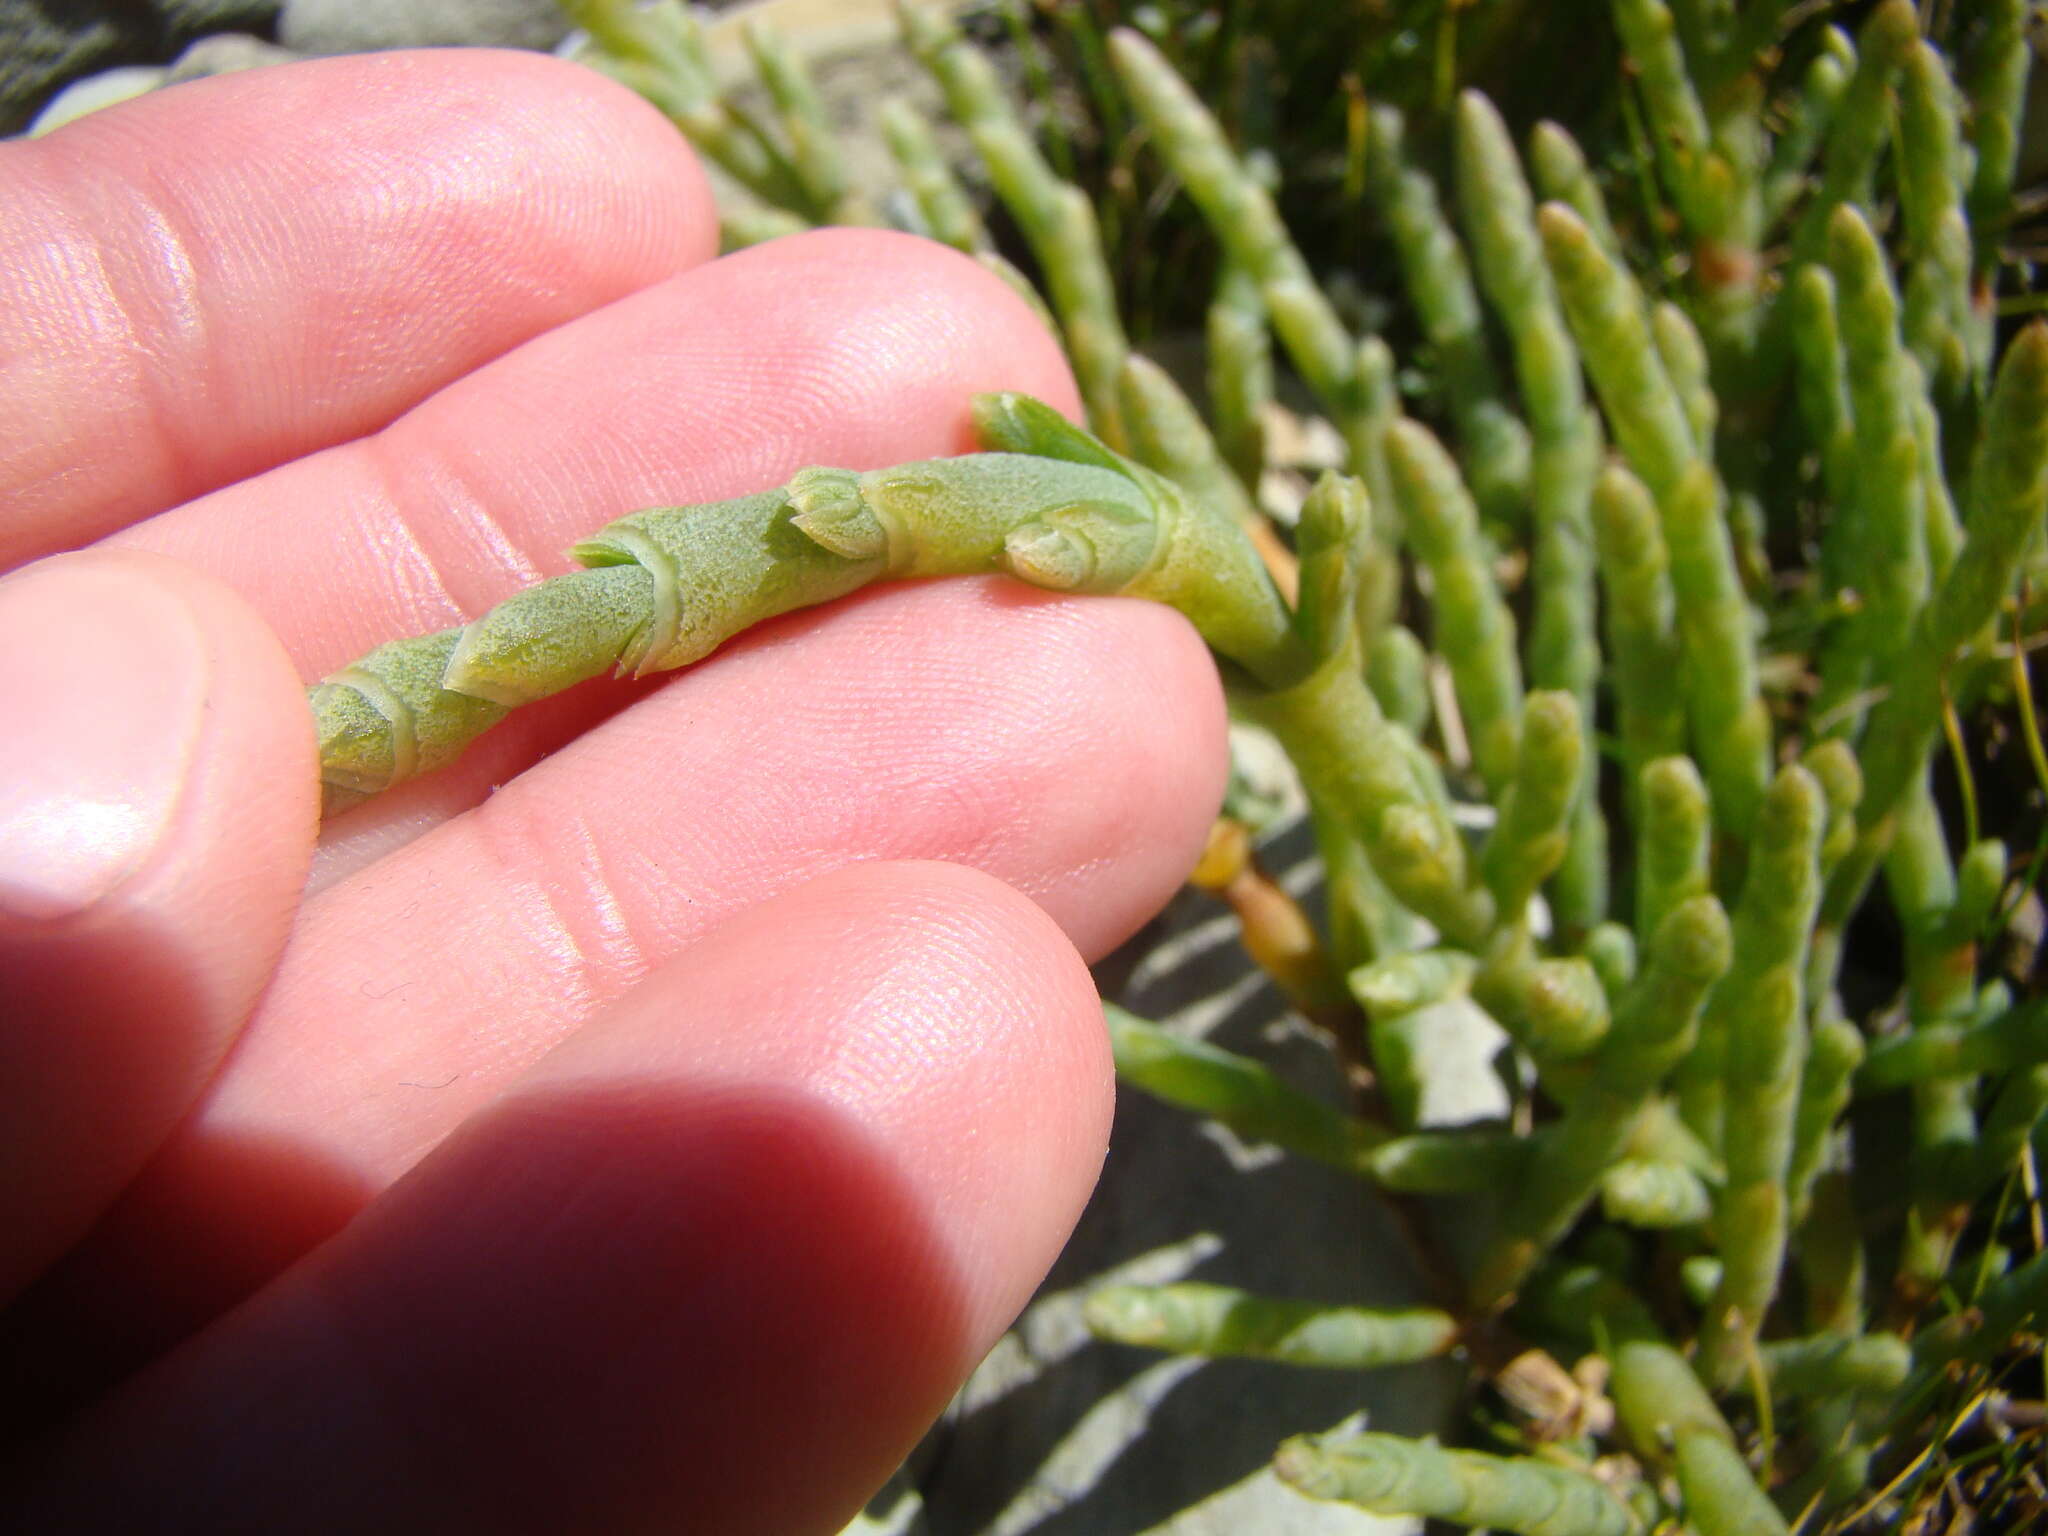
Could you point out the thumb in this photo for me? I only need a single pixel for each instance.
(157, 814)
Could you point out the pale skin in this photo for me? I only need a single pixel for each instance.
(701, 1104)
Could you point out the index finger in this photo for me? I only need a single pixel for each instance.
(205, 282)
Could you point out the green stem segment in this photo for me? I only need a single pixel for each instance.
(1652, 1030)
(1730, 729)
(2009, 485)
(1667, 1413)
(1056, 217)
(1758, 1012)
(1493, 444)
(1564, 650)
(1473, 628)
(668, 586)
(1393, 1475)
(1193, 1318)
(1238, 1092)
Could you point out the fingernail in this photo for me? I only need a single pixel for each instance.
(103, 678)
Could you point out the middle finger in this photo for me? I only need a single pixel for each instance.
(848, 347)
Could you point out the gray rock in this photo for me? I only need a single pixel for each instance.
(223, 54)
(183, 20)
(46, 43)
(108, 88)
(359, 26)
(219, 55)
(41, 48)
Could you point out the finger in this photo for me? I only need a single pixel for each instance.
(1072, 748)
(712, 1266)
(210, 280)
(156, 819)
(387, 822)
(853, 347)
(850, 347)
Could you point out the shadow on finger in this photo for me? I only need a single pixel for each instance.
(612, 1307)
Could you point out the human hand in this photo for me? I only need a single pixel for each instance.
(656, 1142)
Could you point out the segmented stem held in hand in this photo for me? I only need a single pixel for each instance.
(666, 587)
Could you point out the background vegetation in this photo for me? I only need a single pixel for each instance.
(1671, 700)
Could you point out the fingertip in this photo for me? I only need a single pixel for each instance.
(1163, 709)
(715, 1264)
(551, 151)
(157, 809)
(220, 277)
(945, 1011)
(928, 324)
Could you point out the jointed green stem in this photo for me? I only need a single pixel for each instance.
(1857, 134)
(1193, 1318)
(1998, 92)
(1493, 445)
(1239, 209)
(1940, 324)
(1833, 1055)
(668, 586)
(813, 141)
(942, 202)
(1674, 833)
(1528, 840)
(1391, 1474)
(1055, 216)
(1474, 630)
(1699, 178)
(1362, 770)
(659, 51)
(1642, 626)
(1731, 732)
(1240, 372)
(2009, 489)
(1758, 1010)
(1891, 515)
(1820, 96)
(1670, 1418)
(1564, 650)
(1652, 1030)
(1236, 1091)
(2014, 1038)
(1564, 177)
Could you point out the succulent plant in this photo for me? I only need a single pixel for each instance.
(1732, 521)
